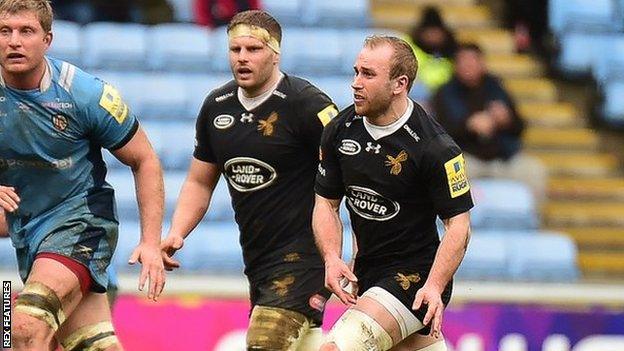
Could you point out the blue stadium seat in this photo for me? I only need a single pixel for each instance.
(613, 108)
(583, 16)
(503, 204)
(197, 87)
(173, 142)
(609, 64)
(579, 51)
(221, 204)
(122, 181)
(213, 246)
(313, 51)
(162, 96)
(285, 12)
(7, 255)
(120, 46)
(220, 46)
(182, 10)
(66, 44)
(352, 41)
(332, 13)
(337, 87)
(486, 258)
(542, 257)
(180, 47)
(128, 239)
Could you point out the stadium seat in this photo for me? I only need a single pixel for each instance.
(613, 109)
(609, 64)
(220, 208)
(285, 12)
(162, 96)
(220, 46)
(486, 258)
(7, 255)
(180, 47)
(579, 51)
(542, 257)
(352, 41)
(583, 16)
(503, 204)
(213, 246)
(66, 44)
(120, 46)
(337, 87)
(332, 13)
(122, 181)
(197, 87)
(182, 10)
(313, 51)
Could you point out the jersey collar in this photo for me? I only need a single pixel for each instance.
(46, 81)
(378, 132)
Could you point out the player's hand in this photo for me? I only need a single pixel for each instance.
(168, 248)
(9, 201)
(430, 296)
(152, 269)
(337, 277)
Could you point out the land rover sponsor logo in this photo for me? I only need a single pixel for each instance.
(223, 121)
(349, 147)
(371, 205)
(248, 174)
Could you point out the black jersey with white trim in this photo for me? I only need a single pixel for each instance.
(269, 158)
(394, 187)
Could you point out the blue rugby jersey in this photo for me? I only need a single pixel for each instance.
(50, 149)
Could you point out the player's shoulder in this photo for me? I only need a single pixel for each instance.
(424, 125)
(297, 88)
(222, 94)
(83, 87)
(344, 120)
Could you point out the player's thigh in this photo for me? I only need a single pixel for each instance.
(421, 342)
(51, 293)
(274, 328)
(89, 326)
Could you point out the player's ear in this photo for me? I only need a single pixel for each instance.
(276, 58)
(400, 84)
(48, 38)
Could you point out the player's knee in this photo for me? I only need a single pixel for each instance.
(272, 328)
(355, 330)
(40, 302)
(28, 335)
(329, 347)
(95, 337)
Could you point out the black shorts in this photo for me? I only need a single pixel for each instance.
(402, 284)
(297, 289)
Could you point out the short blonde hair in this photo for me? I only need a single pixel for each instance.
(403, 61)
(41, 7)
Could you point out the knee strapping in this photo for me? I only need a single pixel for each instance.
(356, 330)
(312, 340)
(95, 337)
(408, 323)
(40, 301)
(437, 346)
(272, 328)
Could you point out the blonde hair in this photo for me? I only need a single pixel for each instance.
(40, 7)
(403, 61)
(260, 19)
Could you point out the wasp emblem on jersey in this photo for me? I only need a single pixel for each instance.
(281, 286)
(395, 162)
(266, 126)
(405, 281)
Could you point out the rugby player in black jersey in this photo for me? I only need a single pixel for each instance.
(262, 131)
(397, 170)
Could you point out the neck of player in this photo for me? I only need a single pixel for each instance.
(25, 80)
(257, 91)
(395, 110)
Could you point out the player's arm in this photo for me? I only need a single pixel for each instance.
(141, 158)
(192, 205)
(4, 227)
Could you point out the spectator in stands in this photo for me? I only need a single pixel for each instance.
(115, 11)
(480, 115)
(434, 45)
(155, 11)
(529, 21)
(73, 10)
(216, 13)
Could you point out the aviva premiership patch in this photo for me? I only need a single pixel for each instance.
(327, 114)
(456, 176)
(111, 101)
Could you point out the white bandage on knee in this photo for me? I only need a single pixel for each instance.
(408, 323)
(356, 331)
(312, 340)
(438, 346)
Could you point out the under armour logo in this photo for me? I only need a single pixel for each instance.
(373, 147)
(81, 249)
(247, 117)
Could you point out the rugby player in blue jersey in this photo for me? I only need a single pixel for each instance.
(54, 121)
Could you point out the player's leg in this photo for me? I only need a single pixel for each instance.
(312, 340)
(89, 327)
(421, 343)
(51, 292)
(274, 328)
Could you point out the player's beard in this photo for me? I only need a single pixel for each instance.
(376, 106)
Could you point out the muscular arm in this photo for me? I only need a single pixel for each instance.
(451, 250)
(148, 179)
(4, 227)
(192, 205)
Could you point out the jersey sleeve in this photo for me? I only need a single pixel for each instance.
(317, 109)
(444, 170)
(329, 176)
(203, 151)
(111, 123)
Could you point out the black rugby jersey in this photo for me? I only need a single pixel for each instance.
(269, 157)
(394, 187)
